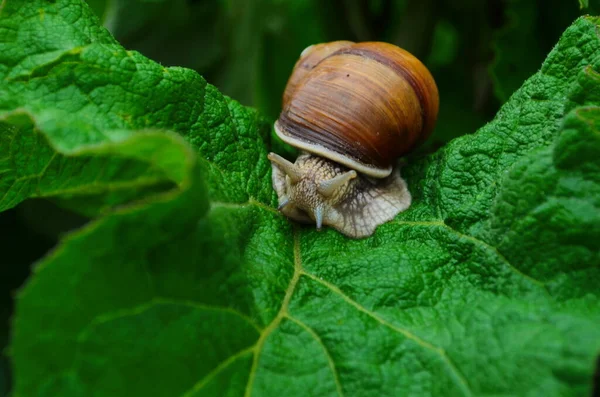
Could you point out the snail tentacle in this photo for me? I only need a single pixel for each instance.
(329, 187)
(284, 201)
(319, 217)
(288, 167)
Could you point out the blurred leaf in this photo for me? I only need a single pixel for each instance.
(4, 363)
(174, 32)
(530, 31)
(458, 110)
(411, 25)
(457, 59)
(486, 285)
(20, 246)
(445, 45)
(4, 385)
(291, 26)
(518, 51)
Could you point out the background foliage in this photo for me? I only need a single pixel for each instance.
(480, 53)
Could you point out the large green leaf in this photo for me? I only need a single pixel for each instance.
(188, 282)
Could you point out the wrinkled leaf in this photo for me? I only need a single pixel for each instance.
(190, 282)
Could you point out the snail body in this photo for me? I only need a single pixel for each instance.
(352, 109)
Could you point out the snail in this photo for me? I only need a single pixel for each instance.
(352, 109)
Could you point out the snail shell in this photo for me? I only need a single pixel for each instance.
(309, 58)
(362, 105)
(352, 109)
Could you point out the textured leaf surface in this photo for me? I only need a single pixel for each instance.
(190, 283)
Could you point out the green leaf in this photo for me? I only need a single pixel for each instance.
(190, 283)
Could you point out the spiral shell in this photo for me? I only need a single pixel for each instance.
(362, 105)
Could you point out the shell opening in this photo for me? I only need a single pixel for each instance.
(331, 155)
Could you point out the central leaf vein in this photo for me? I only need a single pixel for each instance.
(283, 312)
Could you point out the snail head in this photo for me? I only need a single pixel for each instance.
(318, 190)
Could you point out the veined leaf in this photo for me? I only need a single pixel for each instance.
(190, 282)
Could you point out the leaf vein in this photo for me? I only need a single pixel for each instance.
(283, 312)
(312, 333)
(481, 243)
(460, 379)
(223, 365)
(140, 308)
(250, 202)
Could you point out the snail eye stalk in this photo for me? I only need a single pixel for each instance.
(289, 168)
(328, 188)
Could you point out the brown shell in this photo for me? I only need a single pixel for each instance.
(360, 104)
(309, 58)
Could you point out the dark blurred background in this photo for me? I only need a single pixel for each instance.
(479, 52)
